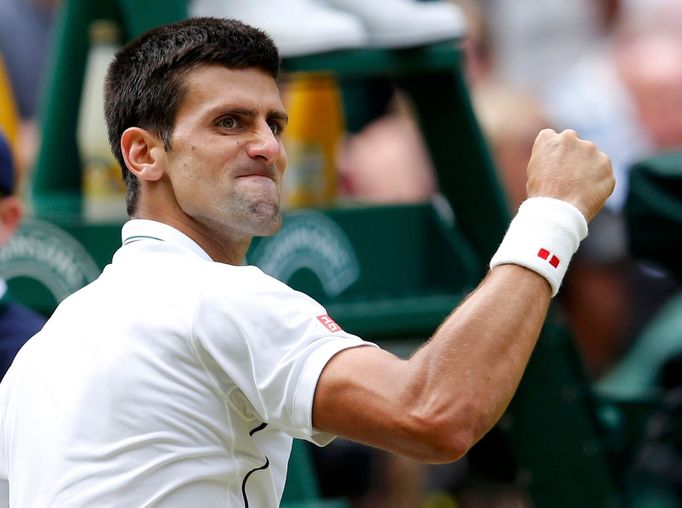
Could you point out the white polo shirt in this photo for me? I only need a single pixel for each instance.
(170, 381)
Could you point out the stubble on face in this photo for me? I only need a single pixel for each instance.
(226, 164)
(256, 205)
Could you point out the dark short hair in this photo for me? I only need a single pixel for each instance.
(145, 83)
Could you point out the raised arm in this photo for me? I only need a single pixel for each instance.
(436, 405)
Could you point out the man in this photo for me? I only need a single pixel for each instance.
(17, 323)
(180, 377)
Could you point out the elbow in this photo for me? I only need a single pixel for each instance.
(449, 447)
(447, 435)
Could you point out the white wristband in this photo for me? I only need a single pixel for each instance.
(543, 237)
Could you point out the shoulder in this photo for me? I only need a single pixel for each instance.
(243, 280)
(246, 293)
(248, 288)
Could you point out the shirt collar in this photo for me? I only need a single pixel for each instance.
(136, 230)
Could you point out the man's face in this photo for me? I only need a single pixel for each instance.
(227, 159)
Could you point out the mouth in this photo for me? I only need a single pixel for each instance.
(264, 172)
(258, 182)
(256, 175)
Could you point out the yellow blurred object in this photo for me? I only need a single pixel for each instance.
(315, 128)
(440, 500)
(9, 115)
(103, 187)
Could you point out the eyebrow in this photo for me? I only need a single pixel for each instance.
(271, 115)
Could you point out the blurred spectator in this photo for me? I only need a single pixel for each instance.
(17, 323)
(510, 118)
(651, 69)
(626, 93)
(9, 113)
(387, 161)
(591, 98)
(626, 96)
(25, 33)
(477, 47)
(535, 40)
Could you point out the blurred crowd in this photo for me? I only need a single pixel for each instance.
(609, 69)
(25, 42)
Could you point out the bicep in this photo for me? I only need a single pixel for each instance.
(358, 395)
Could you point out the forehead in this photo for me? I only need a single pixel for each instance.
(210, 86)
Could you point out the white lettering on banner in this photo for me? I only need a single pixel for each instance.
(44, 252)
(309, 240)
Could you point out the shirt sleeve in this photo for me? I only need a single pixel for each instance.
(272, 342)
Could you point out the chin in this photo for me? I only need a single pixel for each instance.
(266, 222)
(268, 231)
(275, 225)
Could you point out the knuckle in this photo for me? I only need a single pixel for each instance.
(589, 146)
(545, 134)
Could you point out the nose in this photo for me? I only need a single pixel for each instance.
(265, 145)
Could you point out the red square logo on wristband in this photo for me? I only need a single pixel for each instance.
(544, 254)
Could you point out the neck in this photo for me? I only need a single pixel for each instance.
(223, 248)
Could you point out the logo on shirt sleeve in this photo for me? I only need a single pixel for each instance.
(329, 323)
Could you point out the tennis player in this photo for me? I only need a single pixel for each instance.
(180, 377)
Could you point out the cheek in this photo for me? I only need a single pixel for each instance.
(190, 179)
(282, 164)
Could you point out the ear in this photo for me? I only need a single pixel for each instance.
(10, 216)
(143, 153)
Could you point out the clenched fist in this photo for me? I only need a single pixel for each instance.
(563, 166)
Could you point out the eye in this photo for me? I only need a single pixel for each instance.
(276, 128)
(227, 122)
(277, 125)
